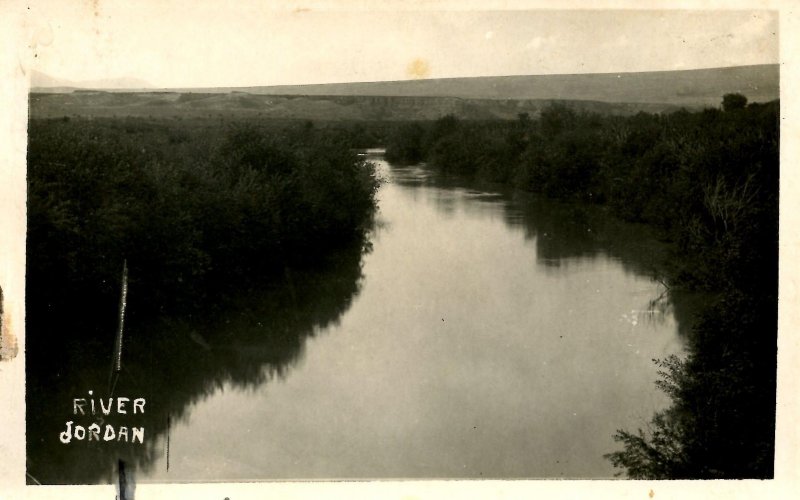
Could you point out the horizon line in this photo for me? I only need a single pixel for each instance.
(410, 80)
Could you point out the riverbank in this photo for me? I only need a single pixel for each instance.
(196, 209)
(709, 182)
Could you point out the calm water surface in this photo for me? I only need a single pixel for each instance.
(482, 335)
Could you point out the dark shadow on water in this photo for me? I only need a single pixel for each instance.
(171, 362)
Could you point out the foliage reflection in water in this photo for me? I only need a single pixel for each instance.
(174, 364)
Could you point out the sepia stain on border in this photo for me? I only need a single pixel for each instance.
(8, 342)
(418, 69)
(94, 8)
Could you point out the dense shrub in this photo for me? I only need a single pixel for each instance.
(708, 179)
(219, 209)
(722, 420)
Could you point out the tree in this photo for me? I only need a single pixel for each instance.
(731, 102)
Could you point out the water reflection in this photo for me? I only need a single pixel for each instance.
(487, 334)
(564, 234)
(173, 364)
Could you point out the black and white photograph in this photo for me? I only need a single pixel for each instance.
(373, 243)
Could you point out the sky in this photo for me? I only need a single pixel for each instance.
(205, 44)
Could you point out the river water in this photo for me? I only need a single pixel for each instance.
(483, 334)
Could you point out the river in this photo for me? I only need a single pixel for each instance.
(483, 334)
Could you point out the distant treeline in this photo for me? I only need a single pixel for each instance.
(709, 180)
(196, 208)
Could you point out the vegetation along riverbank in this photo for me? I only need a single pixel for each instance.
(709, 181)
(197, 208)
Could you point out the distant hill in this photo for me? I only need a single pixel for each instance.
(697, 87)
(469, 98)
(41, 82)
